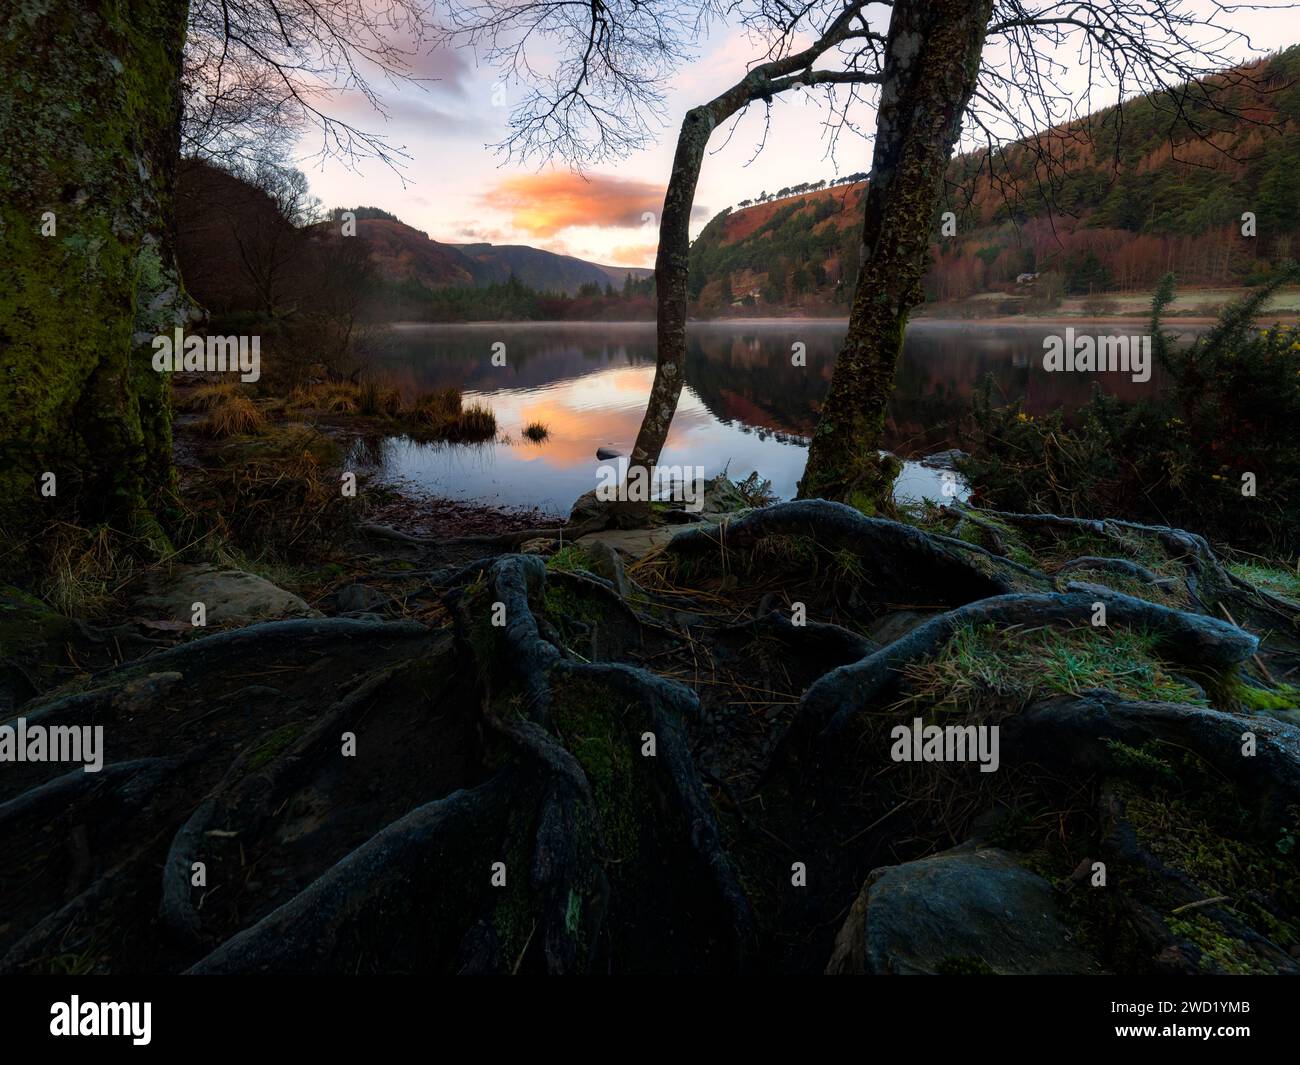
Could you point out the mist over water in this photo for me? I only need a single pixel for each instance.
(745, 406)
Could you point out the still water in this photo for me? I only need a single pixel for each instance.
(745, 406)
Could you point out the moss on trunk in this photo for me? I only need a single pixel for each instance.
(89, 136)
(931, 64)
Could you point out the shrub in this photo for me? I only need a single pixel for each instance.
(1230, 409)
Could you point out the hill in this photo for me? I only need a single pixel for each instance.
(544, 270)
(403, 253)
(1107, 204)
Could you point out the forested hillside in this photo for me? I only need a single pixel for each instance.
(1108, 204)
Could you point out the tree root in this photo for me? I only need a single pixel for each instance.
(518, 808)
(937, 563)
(832, 703)
(1123, 566)
(1075, 732)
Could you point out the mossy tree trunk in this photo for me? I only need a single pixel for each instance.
(672, 260)
(932, 61)
(89, 138)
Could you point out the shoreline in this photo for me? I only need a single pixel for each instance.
(1172, 321)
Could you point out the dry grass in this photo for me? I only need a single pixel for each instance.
(476, 422)
(209, 397)
(85, 570)
(442, 414)
(375, 400)
(233, 415)
(330, 397)
(536, 432)
(281, 508)
(434, 407)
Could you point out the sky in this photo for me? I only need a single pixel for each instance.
(458, 189)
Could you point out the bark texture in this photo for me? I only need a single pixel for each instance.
(672, 260)
(931, 65)
(89, 132)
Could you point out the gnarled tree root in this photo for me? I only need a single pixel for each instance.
(957, 571)
(830, 704)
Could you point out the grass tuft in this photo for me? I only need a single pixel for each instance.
(986, 667)
(234, 415)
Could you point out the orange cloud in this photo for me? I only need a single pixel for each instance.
(634, 255)
(544, 204)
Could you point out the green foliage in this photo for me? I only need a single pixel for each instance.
(569, 559)
(1229, 409)
(792, 247)
(1283, 582)
(986, 666)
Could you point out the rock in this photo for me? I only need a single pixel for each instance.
(353, 598)
(608, 453)
(944, 460)
(722, 497)
(230, 596)
(586, 508)
(605, 562)
(631, 543)
(965, 910)
(145, 693)
(539, 545)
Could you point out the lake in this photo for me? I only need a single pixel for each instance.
(745, 406)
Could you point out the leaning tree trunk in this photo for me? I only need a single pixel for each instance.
(672, 259)
(671, 270)
(89, 137)
(931, 64)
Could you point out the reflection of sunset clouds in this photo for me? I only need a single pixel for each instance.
(744, 402)
(601, 409)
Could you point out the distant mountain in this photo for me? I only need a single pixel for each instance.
(403, 253)
(1135, 193)
(243, 250)
(544, 270)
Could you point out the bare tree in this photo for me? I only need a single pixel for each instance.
(271, 243)
(265, 73)
(995, 64)
(1009, 71)
(617, 56)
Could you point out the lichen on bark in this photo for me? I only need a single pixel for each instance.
(932, 62)
(89, 137)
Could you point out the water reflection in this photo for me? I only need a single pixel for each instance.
(746, 405)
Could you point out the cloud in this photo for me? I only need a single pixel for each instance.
(544, 204)
(416, 110)
(634, 255)
(446, 66)
(481, 234)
